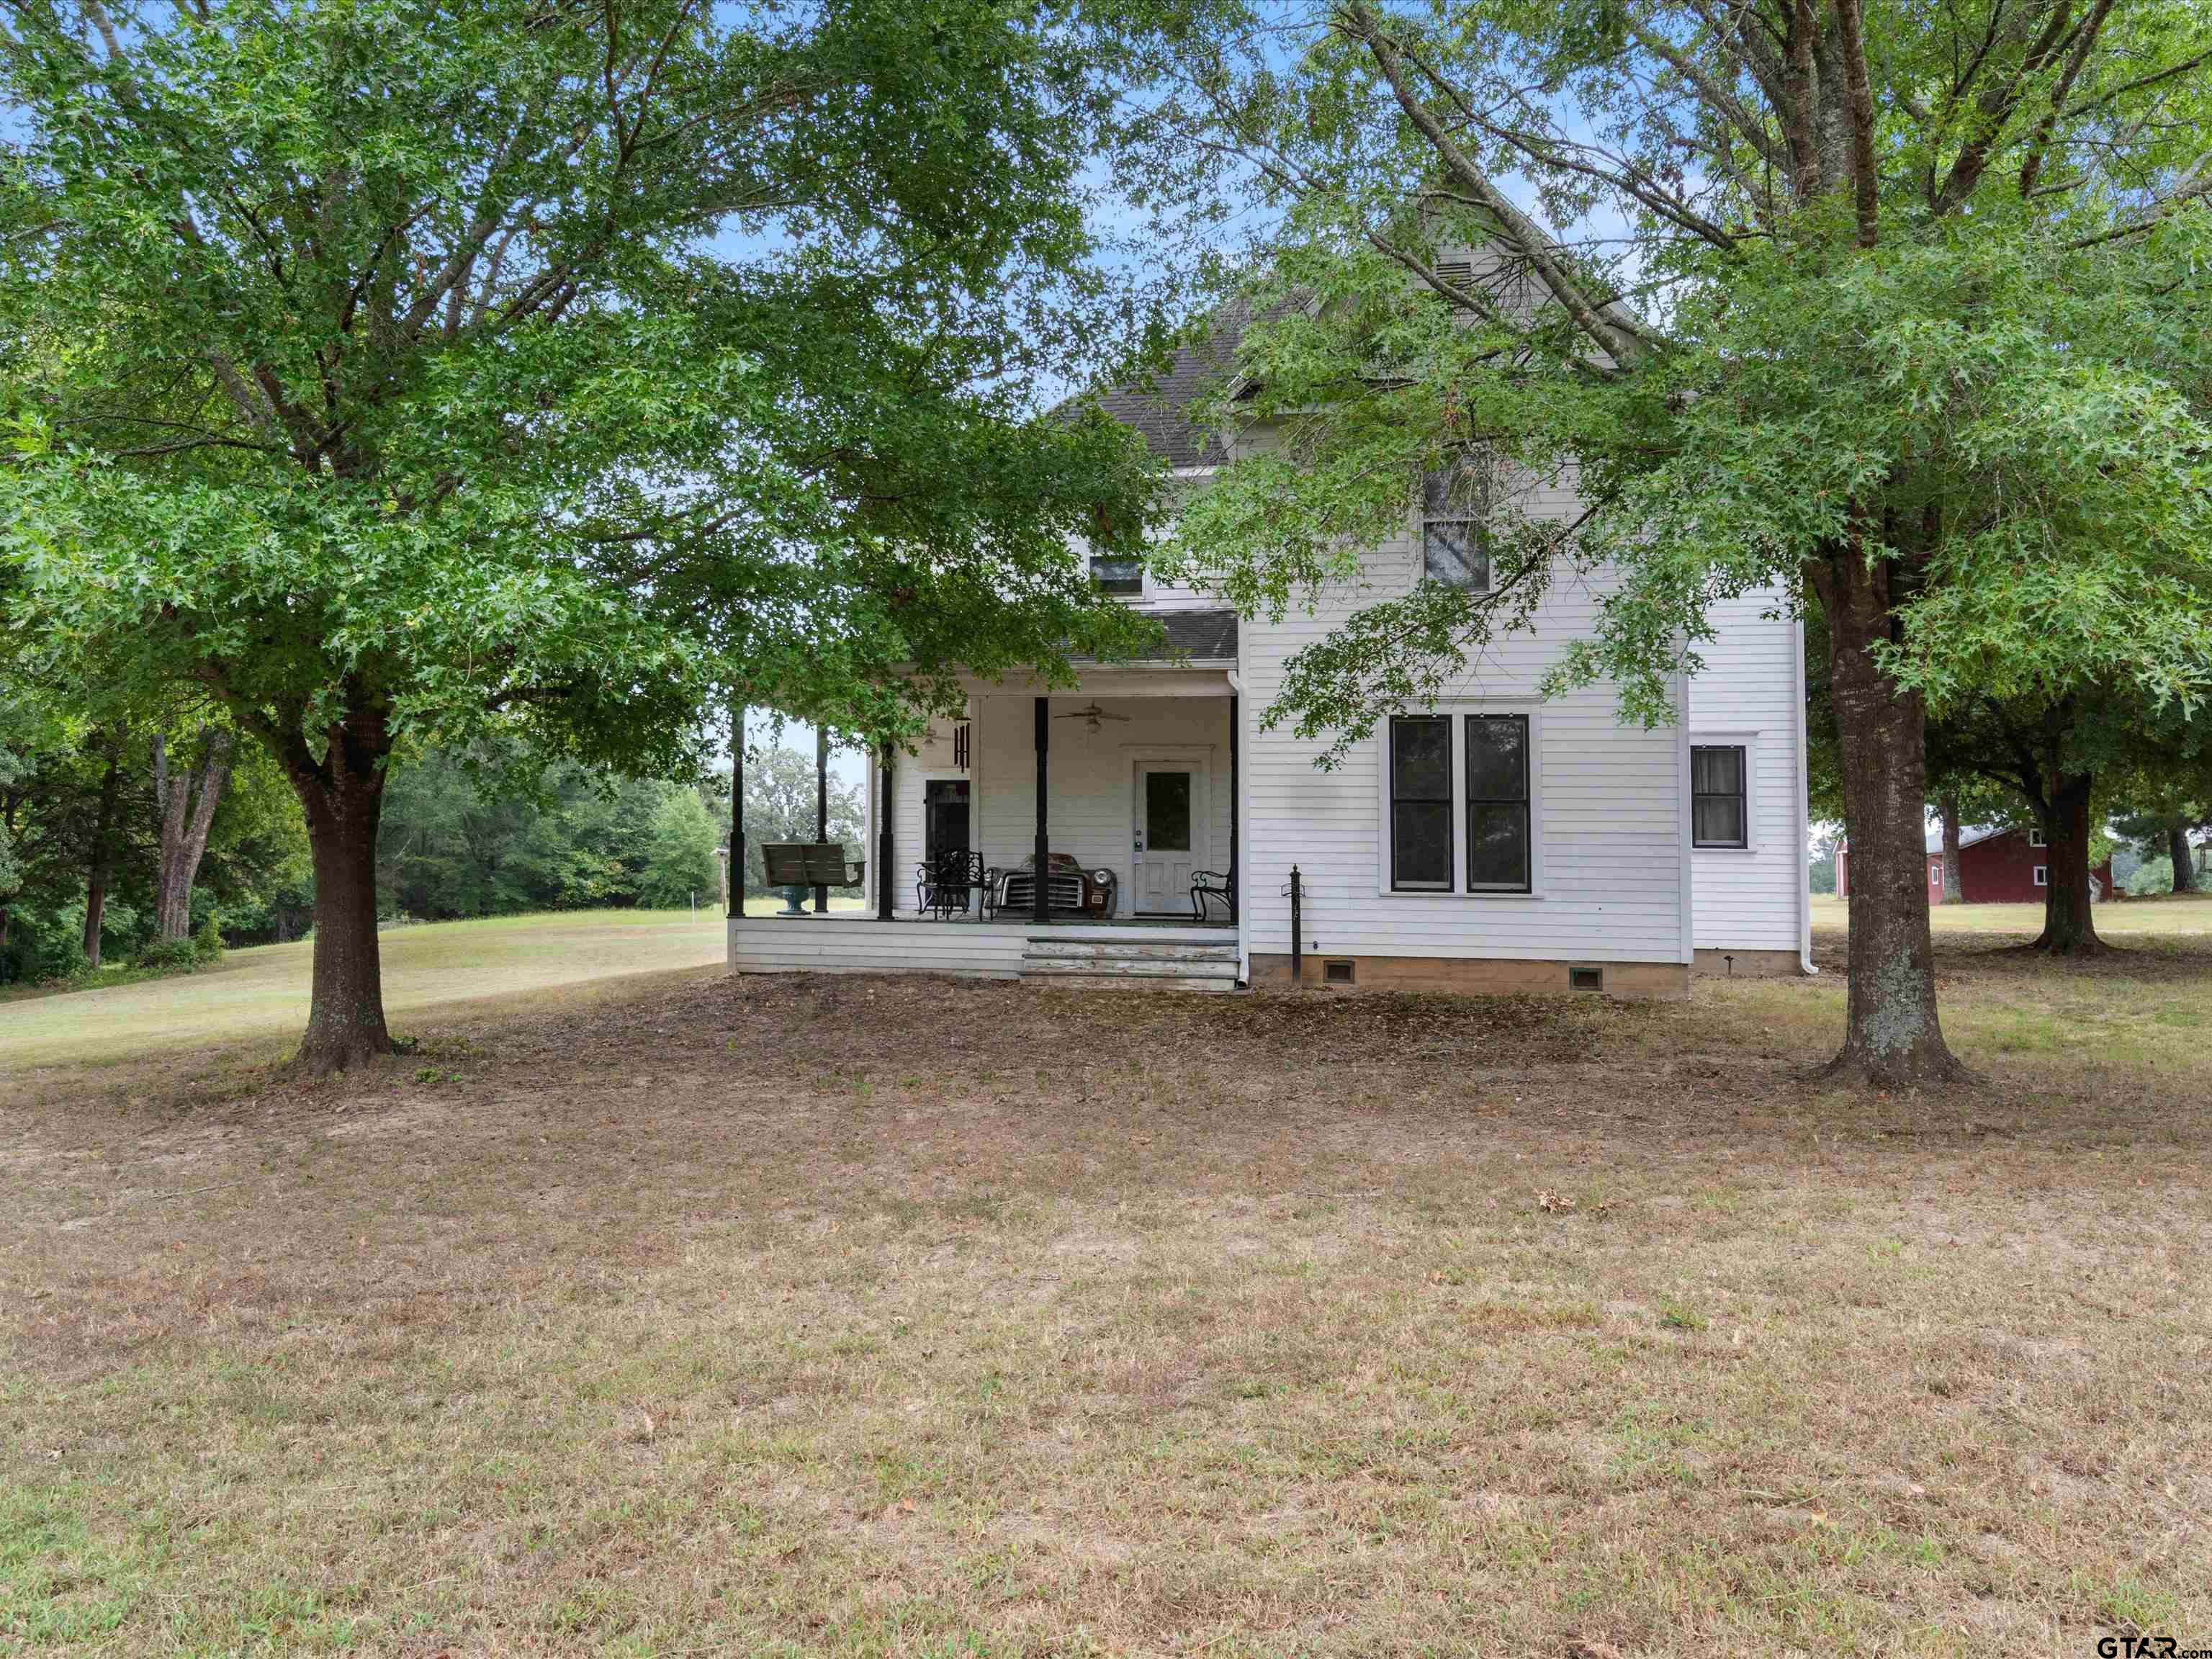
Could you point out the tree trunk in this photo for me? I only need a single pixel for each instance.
(100, 855)
(1954, 892)
(2068, 929)
(2177, 849)
(1893, 1038)
(187, 804)
(341, 793)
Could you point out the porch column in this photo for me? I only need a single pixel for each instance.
(886, 803)
(1042, 912)
(821, 805)
(736, 858)
(1236, 895)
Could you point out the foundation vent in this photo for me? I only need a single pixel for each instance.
(1586, 979)
(1336, 973)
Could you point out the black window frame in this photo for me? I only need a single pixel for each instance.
(1129, 586)
(1740, 795)
(1468, 480)
(1445, 801)
(1525, 800)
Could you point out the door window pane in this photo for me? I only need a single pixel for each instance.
(1498, 856)
(1167, 811)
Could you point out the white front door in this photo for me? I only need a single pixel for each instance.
(1168, 836)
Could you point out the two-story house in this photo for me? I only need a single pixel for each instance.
(1496, 842)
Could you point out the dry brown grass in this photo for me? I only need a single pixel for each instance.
(903, 1317)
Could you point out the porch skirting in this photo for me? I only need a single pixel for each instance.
(831, 945)
(1660, 981)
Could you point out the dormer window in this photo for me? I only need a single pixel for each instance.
(1454, 547)
(1116, 573)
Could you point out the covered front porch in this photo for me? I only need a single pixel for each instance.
(1125, 789)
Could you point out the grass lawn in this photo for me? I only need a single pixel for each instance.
(259, 996)
(2165, 913)
(676, 1314)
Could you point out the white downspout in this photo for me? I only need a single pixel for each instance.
(1243, 809)
(1804, 804)
(1684, 829)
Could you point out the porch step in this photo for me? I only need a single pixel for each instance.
(1102, 950)
(1132, 982)
(1130, 964)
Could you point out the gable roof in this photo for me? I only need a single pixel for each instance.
(1973, 836)
(1160, 409)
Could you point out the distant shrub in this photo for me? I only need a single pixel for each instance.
(67, 963)
(171, 956)
(2151, 876)
(207, 939)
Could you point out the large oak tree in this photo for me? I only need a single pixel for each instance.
(1895, 309)
(398, 367)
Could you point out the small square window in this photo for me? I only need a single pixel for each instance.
(2043, 875)
(1116, 574)
(2035, 839)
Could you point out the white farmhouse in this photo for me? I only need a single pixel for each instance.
(1494, 842)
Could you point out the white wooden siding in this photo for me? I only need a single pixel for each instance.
(1747, 693)
(1609, 817)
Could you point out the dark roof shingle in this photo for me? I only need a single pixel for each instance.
(1159, 409)
(1200, 635)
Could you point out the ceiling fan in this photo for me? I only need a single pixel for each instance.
(1091, 716)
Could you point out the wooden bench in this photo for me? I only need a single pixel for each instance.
(809, 864)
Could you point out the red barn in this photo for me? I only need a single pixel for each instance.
(1996, 866)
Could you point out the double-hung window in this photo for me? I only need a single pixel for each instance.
(1454, 547)
(1498, 803)
(1461, 803)
(1719, 814)
(1421, 804)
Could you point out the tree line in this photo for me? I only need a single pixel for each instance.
(97, 870)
